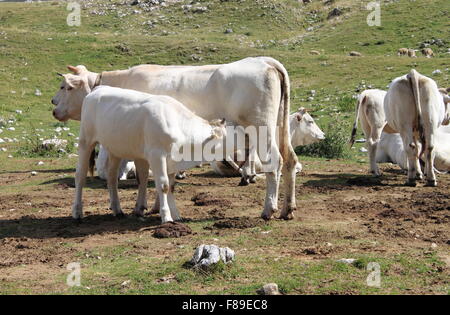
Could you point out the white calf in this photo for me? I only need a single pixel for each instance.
(144, 128)
(415, 107)
(370, 110)
(303, 131)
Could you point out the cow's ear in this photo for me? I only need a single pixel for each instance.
(299, 116)
(75, 82)
(75, 70)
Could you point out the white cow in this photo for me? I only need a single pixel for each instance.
(144, 128)
(390, 149)
(250, 92)
(303, 131)
(415, 108)
(370, 110)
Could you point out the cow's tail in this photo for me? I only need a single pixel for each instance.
(418, 126)
(286, 150)
(361, 100)
(92, 163)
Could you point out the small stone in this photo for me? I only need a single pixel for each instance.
(33, 173)
(40, 163)
(269, 289)
(347, 261)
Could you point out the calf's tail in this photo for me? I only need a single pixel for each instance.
(355, 125)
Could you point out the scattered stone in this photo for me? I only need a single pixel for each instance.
(38, 92)
(363, 150)
(33, 173)
(362, 140)
(125, 283)
(347, 261)
(335, 12)
(269, 289)
(228, 31)
(40, 163)
(208, 255)
(436, 72)
(355, 54)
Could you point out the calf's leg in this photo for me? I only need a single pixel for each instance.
(113, 170)
(85, 148)
(142, 176)
(158, 164)
(171, 199)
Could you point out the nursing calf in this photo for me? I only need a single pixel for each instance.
(303, 130)
(144, 128)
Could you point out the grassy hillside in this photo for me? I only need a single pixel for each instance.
(36, 43)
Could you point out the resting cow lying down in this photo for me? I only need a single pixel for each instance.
(390, 149)
(303, 131)
(144, 128)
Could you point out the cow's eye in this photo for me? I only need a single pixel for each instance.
(62, 87)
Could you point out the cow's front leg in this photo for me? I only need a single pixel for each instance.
(84, 153)
(113, 170)
(142, 177)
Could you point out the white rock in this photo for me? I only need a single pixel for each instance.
(33, 173)
(364, 150)
(270, 289)
(436, 72)
(38, 92)
(2, 141)
(11, 128)
(347, 261)
(4, 149)
(207, 255)
(40, 163)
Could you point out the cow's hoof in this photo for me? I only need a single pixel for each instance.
(139, 211)
(77, 220)
(119, 215)
(287, 217)
(266, 216)
(253, 179)
(411, 183)
(419, 176)
(244, 182)
(375, 173)
(431, 183)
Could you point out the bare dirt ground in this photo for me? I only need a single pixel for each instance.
(337, 204)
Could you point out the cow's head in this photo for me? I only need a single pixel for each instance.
(72, 91)
(446, 100)
(304, 130)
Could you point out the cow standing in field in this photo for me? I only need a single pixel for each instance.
(415, 108)
(250, 92)
(144, 128)
(370, 110)
(303, 131)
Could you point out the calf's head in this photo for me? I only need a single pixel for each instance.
(73, 89)
(446, 100)
(303, 128)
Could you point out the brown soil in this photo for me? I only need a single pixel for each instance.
(340, 209)
(238, 223)
(172, 229)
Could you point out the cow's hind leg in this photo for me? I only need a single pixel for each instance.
(271, 165)
(142, 177)
(85, 148)
(289, 171)
(113, 170)
(412, 151)
(430, 154)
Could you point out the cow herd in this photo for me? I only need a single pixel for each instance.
(158, 121)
